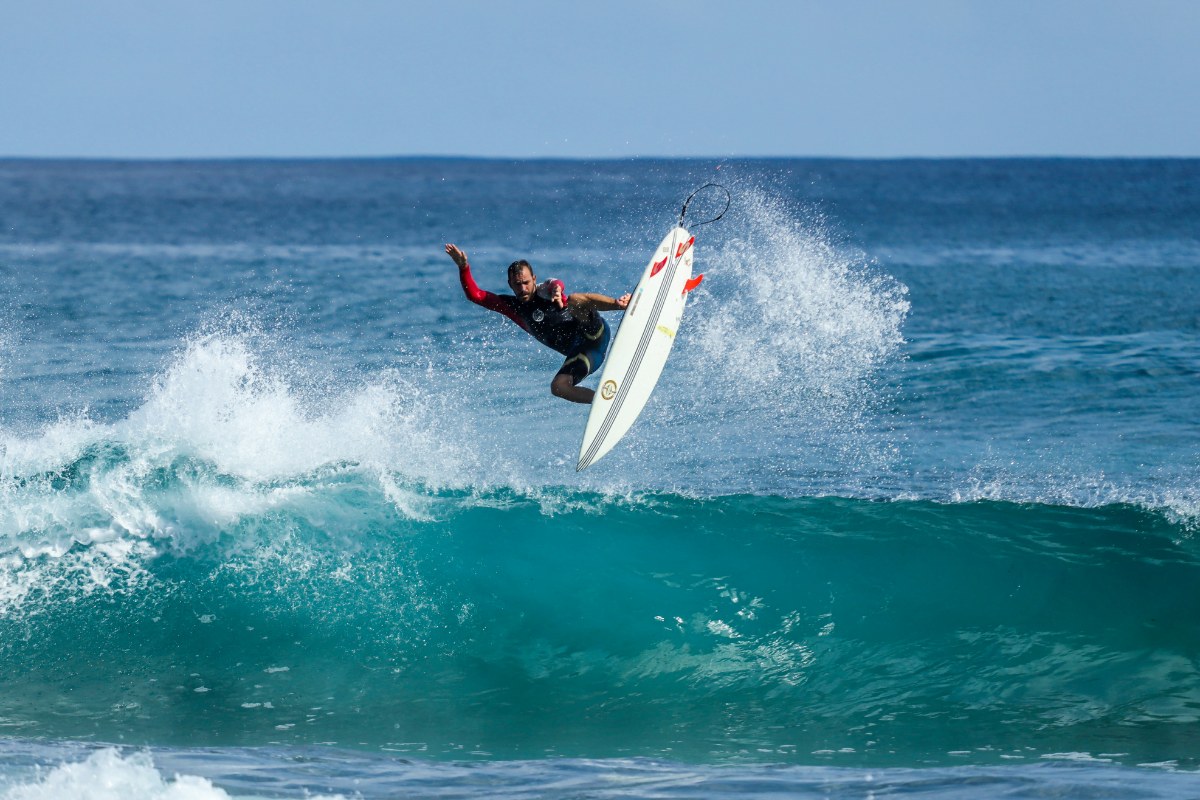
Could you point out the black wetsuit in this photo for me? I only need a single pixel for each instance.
(584, 343)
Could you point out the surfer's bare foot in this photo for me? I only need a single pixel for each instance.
(562, 386)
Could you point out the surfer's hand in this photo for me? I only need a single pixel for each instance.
(557, 296)
(459, 256)
(623, 300)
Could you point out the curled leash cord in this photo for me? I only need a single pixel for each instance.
(728, 200)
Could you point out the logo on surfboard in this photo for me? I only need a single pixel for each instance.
(608, 390)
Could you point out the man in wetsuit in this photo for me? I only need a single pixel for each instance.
(562, 322)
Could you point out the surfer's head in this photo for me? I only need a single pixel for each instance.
(521, 279)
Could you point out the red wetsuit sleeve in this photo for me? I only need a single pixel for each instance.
(492, 302)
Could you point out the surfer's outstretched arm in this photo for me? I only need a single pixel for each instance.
(490, 301)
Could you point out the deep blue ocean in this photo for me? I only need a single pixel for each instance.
(913, 510)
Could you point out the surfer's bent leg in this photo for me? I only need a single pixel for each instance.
(585, 357)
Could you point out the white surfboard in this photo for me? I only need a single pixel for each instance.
(641, 347)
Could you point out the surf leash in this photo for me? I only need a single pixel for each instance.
(728, 200)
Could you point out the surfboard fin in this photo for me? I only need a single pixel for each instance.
(693, 283)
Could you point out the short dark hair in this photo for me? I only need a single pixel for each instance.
(514, 269)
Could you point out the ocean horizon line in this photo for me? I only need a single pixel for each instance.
(579, 159)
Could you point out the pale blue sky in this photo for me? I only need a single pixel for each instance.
(602, 79)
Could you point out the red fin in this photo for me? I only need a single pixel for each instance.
(693, 283)
(658, 266)
(683, 248)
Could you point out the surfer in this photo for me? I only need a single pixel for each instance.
(568, 323)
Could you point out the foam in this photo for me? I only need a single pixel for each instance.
(1176, 501)
(106, 775)
(217, 402)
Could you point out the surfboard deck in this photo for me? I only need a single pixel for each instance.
(641, 347)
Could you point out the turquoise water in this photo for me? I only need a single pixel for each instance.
(913, 508)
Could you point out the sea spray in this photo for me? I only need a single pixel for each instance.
(107, 775)
(219, 403)
(787, 344)
(795, 314)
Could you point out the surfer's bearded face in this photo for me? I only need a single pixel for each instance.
(523, 284)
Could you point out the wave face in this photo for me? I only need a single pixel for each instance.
(920, 485)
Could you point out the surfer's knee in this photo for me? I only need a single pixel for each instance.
(563, 385)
